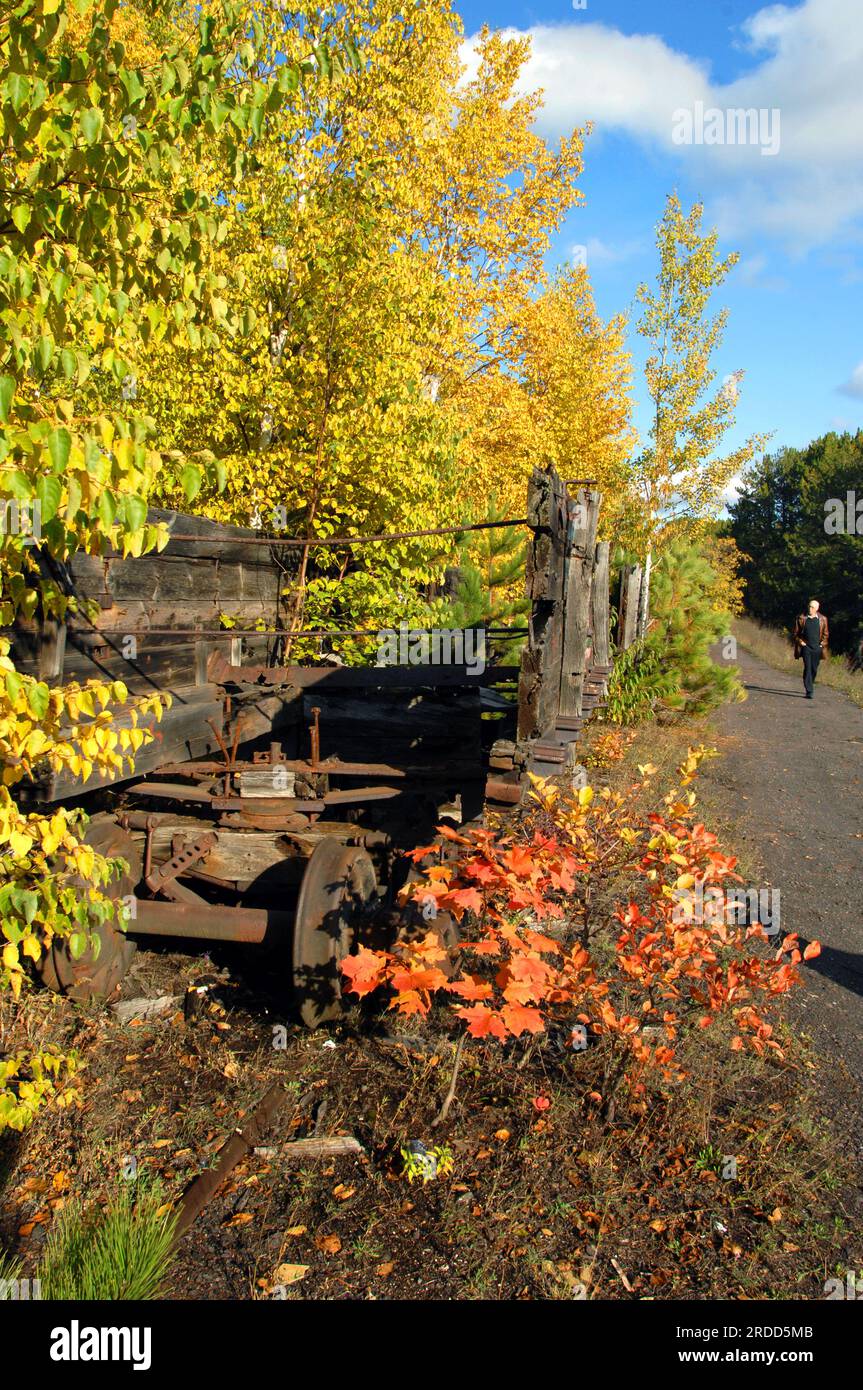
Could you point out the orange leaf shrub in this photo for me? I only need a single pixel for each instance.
(526, 959)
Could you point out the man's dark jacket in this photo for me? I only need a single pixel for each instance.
(800, 633)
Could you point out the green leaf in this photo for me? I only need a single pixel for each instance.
(17, 88)
(48, 491)
(321, 52)
(107, 506)
(21, 216)
(13, 685)
(59, 446)
(38, 698)
(44, 353)
(134, 511)
(91, 124)
(133, 85)
(77, 944)
(190, 479)
(7, 391)
(18, 485)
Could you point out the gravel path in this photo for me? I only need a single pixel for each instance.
(794, 770)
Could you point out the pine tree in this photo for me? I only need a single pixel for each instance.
(687, 622)
(490, 582)
(670, 672)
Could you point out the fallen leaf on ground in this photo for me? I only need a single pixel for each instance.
(385, 1270)
(296, 1230)
(240, 1218)
(290, 1274)
(330, 1245)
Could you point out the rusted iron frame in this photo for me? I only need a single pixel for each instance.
(229, 757)
(205, 921)
(336, 767)
(384, 677)
(241, 1142)
(315, 737)
(162, 879)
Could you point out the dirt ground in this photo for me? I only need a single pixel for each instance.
(791, 774)
(546, 1199)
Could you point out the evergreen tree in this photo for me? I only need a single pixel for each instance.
(670, 673)
(796, 521)
(490, 582)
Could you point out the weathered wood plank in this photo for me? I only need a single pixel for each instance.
(599, 605)
(182, 732)
(539, 681)
(630, 590)
(581, 548)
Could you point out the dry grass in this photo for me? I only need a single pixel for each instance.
(774, 647)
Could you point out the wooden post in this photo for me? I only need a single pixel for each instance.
(599, 603)
(630, 591)
(539, 681)
(584, 517)
(52, 649)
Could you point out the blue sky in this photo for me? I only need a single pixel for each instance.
(795, 216)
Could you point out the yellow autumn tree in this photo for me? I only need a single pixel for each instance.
(563, 396)
(681, 473)
(104, 245)
(381, 256)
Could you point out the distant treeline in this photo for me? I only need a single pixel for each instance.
(799, 522)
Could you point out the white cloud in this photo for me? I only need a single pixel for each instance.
(810, 60)
(597, 252)
(854, 385)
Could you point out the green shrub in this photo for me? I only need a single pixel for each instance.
(120, 1251)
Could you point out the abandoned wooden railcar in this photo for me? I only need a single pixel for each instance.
(275, 801)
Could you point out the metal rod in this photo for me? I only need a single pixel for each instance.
(497, 633)
(209, 922)
(313, 543)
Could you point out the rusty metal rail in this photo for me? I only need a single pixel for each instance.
(312, 543)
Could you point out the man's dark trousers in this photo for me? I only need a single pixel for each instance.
(811, 662)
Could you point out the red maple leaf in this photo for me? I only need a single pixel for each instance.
(538, 942)
(466, 900)
(365, 970)
(483, 1022)
(407, 979)
(409, 1001)
(519, 1020)
(520, 862)
(472, 988)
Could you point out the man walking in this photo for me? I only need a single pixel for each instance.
(811, 636)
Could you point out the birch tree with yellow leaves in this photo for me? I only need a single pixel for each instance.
(679, 475)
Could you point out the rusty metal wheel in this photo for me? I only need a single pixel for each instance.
(96, 977)
(338, 890)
